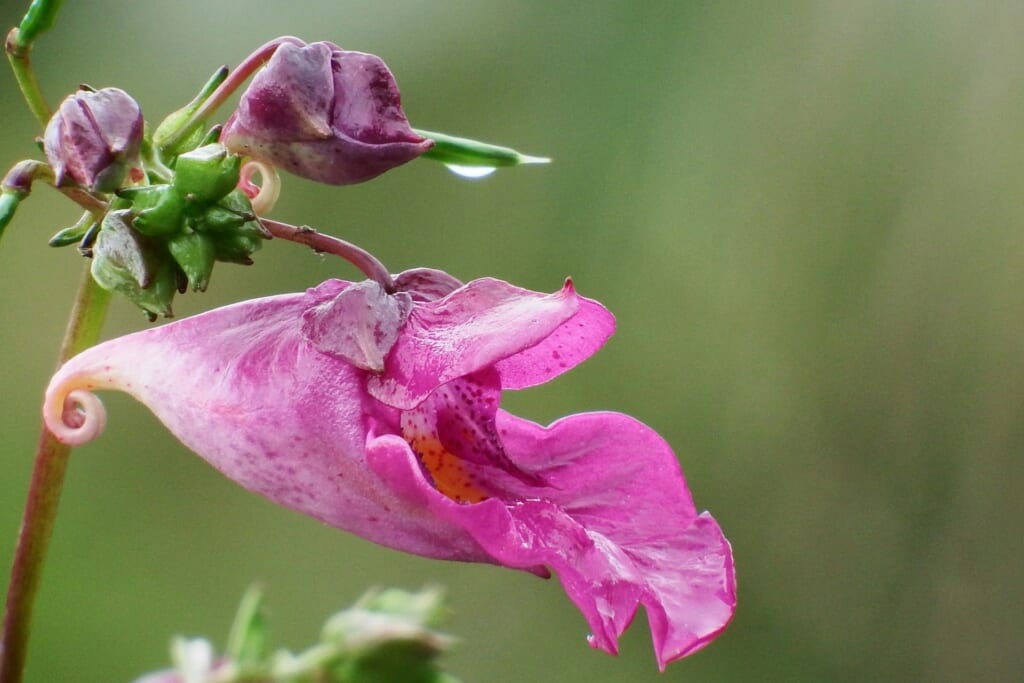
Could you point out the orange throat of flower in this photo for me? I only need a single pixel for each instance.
(447, 471)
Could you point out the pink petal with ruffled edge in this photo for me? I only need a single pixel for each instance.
(613, 518)
(528, 336)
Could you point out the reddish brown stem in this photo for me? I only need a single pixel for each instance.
(318, 241)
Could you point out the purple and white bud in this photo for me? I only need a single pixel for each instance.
(94, 139)
(325, 114)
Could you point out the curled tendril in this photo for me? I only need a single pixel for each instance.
(73, 413)
(264, 196)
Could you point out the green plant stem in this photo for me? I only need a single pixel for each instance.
(87, 316)
(17, 55)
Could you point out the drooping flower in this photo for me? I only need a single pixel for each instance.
(323, 113)
(379, 414)
(94, 138)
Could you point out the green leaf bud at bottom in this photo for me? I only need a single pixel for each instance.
(195, 253)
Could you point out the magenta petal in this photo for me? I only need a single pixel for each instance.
(367, 104)
(292, 95)
(481, 324)
(616, 522)
(245, 390)
(569, 345)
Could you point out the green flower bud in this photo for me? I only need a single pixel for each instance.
(195, 253)
(159, 209)
(238, 245)
(134, 265)
(219, 219)
(207, 174)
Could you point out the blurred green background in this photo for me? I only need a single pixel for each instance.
(807, 217)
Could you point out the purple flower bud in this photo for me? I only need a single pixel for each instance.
(325, 114)
(94, 138)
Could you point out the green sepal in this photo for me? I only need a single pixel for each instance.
(207, 174)
(40, 18)
(195, 253)
(178, 119)
(159, 209)
(450, 149)
(134, 265)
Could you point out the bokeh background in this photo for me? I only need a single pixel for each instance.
(807, 217)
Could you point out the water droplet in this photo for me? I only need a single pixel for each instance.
(471, 171)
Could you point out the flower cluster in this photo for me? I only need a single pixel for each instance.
(375, 406)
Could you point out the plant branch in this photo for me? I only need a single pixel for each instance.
(18, 56)
(318, 241)
(87, 315)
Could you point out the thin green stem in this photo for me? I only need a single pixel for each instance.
(87, 316)
(17, 55)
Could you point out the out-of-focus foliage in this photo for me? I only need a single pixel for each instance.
(808, 220)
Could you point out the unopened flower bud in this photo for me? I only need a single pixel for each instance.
(195, 253)
(94, 138)
(325, 114)
(206, 174)
(159, 210)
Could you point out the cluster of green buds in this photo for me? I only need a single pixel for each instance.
(387, 635)
(163, 206)
(169, 220)
(170, 234)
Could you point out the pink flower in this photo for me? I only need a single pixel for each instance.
(379, 414)
(326, 114)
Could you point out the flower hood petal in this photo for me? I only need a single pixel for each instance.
(528, 336)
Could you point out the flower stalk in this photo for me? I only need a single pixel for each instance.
(366, 262)
(229, 85)
(87, 316)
